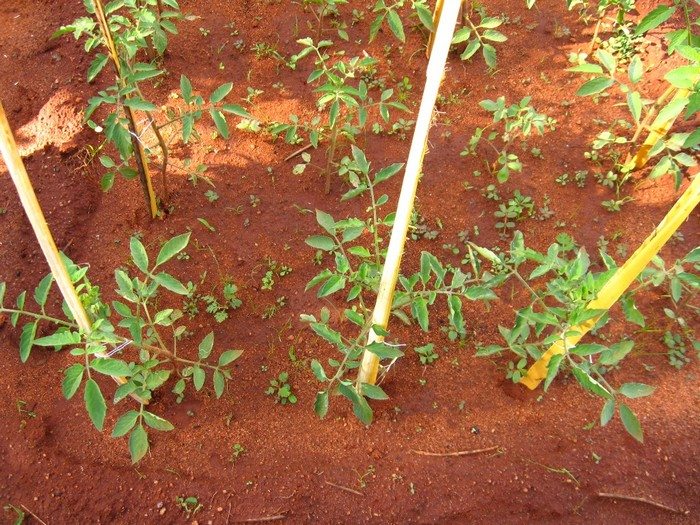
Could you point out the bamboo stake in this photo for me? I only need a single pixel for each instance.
(621, 279)
(436, 21)
(434, 73)
(139, 152)
(18, 173)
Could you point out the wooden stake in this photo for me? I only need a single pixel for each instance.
(134, 133)
(659, 128)
(15, 166)
(621, 279)
(435, 73)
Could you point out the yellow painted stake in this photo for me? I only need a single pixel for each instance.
(621, 279)
(659, 129)
(434, 73)
(15, 166)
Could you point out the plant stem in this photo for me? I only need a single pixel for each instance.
(331, 155)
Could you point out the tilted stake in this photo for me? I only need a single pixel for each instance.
(15, 166)
(621, 279)
(435, 72)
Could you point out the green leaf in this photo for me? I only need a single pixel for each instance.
(138, 444)
(419, 309)
(157, 422)
(616, 353)
(472, 47)
(321, 242)
(125, 423)
(219, 383)
(220, 122)
(552, 370)
(425, 16)
(198, 377)
(360, 407)
(684, 77)
(139, 104)
(607, 413)
(169, 282)
(111, 367)
(373, 392)
(384, 351)
(388, 172)
(332, 285)
(634, 103)
(229, 356)
(237, 110)
(186, 88)
(96, 66)
(206, 346)
(635, 70)
(321, 404)
(72, 378)
(63, 338)
(591, 69)
(95, 404)
(594, 86)
(631, 423)
(654, 19)
(489, 53)
(590, 384)
(635, 390)
(26, 340)
(325, 221)
(172, 247)
(479, 293)
(396, 25)
(220, 93)
(41, 293)
(138, 254)
(317, 369)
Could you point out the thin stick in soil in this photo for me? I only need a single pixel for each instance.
(495, 448)
(642, 500)
(262, 519)
(37, 518)
(346, 489)
(298, 152)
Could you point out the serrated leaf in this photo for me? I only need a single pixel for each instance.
(26, 340)
(631, 423)
(552, 370)
(229, 356)
(654, 19)
(172, 247)
(321, 242)
(373, 392)
(220, 122)
(206, 346)
(138, 444)
(396, 25)
(41, 292)
(220, 93)
(635, 390)
(72, 378)
(590, 384)
(125, 423)
(198, 377)
(607, 413)
(219, 383)
(111, 367)
(95, 404)
(157, 422)
(138, 254)
(169, 282)
(594, 86)
(321, 404)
